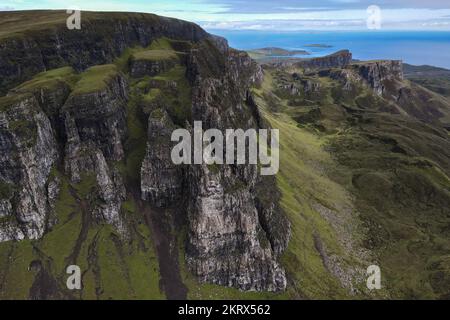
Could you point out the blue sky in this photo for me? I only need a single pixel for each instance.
(277, 15)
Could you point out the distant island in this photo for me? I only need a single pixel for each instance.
(318, 45)
(274, 52)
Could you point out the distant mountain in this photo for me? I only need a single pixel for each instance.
(273, 52)
(318, 45)
(433, 78)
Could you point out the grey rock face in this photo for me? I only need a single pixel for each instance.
(28, 153)
(141, 67)
(380, 74)
(339, 59)
(5, 208)
(98, 119)
(95, 127)
(111, 191)
(161, 180)
(227, 243)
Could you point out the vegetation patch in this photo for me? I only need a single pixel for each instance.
(155, 55)
(95, 79)
(49, 79)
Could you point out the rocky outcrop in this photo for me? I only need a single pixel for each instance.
(380, 75)
(51, 97)
(228, 243)
(235, 233)
(28, 151)
(147, 67)
(339, 59)
(95, 118)
(161, 180)
(111, 193)
(95, 129)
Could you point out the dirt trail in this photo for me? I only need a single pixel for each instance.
(85, 223)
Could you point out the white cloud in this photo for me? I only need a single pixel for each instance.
(288, 14)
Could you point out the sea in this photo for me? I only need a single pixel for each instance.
(416, 48)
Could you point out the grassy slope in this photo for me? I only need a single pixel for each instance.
(306, 186)
(432, 78)
(402, 196)
(94, 79)
(16, 23)
(111, 268)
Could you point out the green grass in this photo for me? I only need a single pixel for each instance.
(388, 168)
(137, 140)
(59, 243)
(49, 79)
(7, 101)
(95, 79)
(6, 190)
(151, 95)
(86, 186)
(178, 102)
(161, 44)
(307, 183)
(20, 23)
(155, 55)
(159, 49)
(15, 258)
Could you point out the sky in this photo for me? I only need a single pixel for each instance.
(274, 15)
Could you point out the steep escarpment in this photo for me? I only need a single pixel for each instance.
(338, 59)
(227, 243)
(29, 48)
(92, 138)
(29, 151)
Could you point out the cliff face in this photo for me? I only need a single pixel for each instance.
(338, 59)
(228, 244)
(27, 51)
(106, 132)
(29, 151)
(380, 75)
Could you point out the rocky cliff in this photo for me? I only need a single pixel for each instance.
(81, 123)
(338, 59)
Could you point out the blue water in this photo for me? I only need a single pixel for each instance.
(418, 48)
